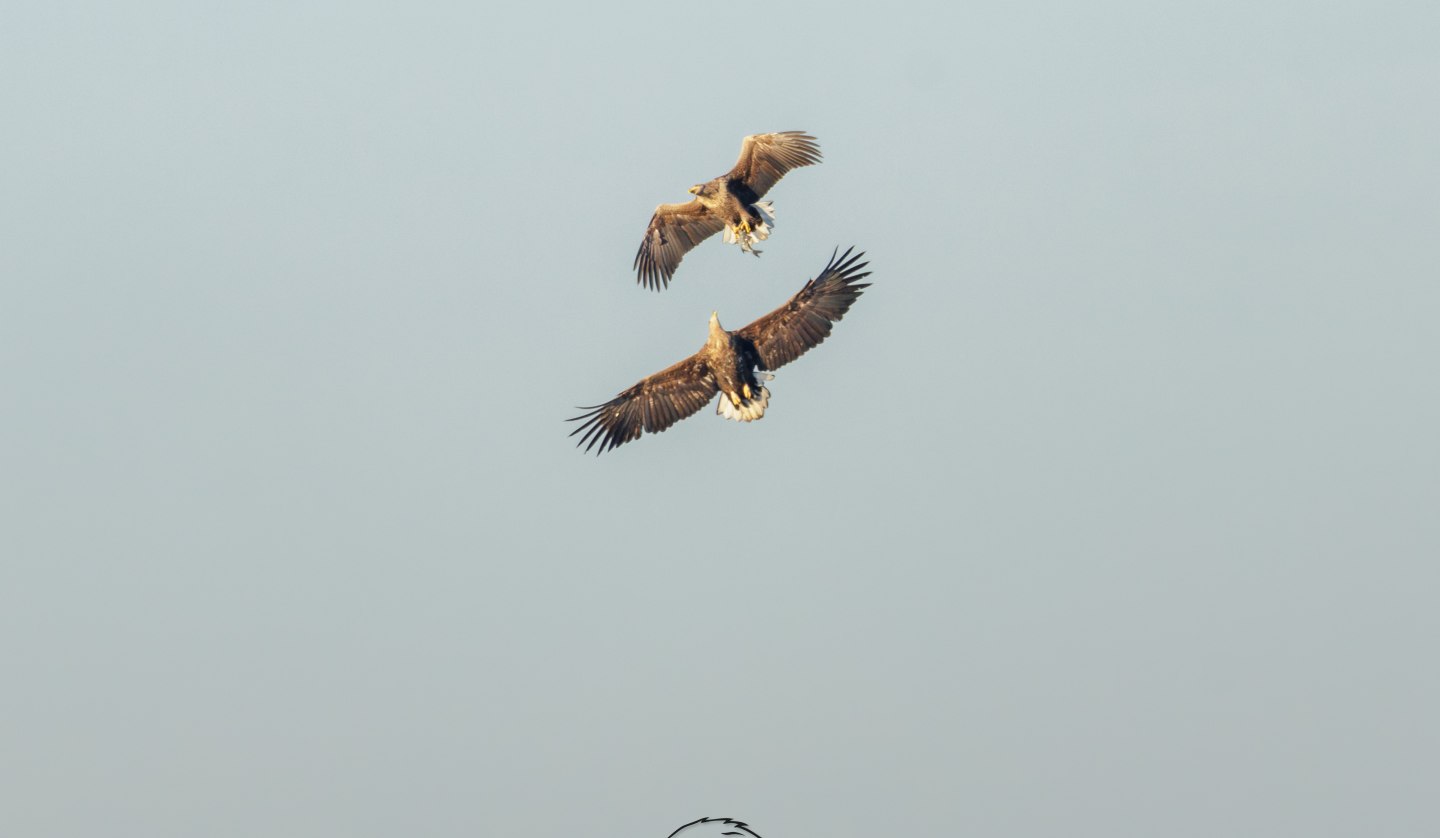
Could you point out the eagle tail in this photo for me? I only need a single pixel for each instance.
(747, 240)
(749, 410)
(766, 210)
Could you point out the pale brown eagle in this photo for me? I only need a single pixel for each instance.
(730, 202)
(727, 363)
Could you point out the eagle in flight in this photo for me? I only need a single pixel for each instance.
(723, 827)
(728, 362)
(730, 202)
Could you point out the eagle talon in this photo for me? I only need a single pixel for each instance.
(745, 388)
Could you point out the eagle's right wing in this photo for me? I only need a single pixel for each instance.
(674, 230)
(652, 404)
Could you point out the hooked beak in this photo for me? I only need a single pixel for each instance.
(694, 190)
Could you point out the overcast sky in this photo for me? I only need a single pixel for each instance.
(1109, 510)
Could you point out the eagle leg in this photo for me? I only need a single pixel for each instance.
(742, 234)
(745, 388)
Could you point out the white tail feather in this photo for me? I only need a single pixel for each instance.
(759, 233)
(747, 412)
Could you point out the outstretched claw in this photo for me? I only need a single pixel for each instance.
(745, 388)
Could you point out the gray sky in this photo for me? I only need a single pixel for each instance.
(1109, 510)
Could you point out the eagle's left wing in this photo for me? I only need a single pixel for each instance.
(805, 321)
(765, 158)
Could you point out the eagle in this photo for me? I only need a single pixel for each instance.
(728, 362)
(717, 827)
(730, 202)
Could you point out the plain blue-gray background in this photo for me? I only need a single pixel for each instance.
(1109, 510)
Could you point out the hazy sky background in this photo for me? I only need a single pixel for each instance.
(1109, 510)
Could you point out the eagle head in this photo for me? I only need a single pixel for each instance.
(697, 189)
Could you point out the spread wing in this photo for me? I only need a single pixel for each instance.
(765, 158)
(805, 321)
(653, 404)
(674, 229)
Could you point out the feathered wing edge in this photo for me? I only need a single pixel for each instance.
(765, 158)
(739, 826)
(807, 318)
(674, 230)
(653, 404)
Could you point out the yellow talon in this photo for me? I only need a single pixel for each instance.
(734, 399)
(745, 388)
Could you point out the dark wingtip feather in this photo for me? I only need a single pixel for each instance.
(649, 270)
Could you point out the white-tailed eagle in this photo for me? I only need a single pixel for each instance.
(730, 202)
(728, 362)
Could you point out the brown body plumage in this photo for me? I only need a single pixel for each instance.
(730, 363)
(730, 202)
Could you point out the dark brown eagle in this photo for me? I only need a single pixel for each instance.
(727, 363)
(730, 202)
(716, 828)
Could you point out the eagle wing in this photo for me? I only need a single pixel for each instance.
(674, 230)
(765, 158)
(653, 404)
(806, 319)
